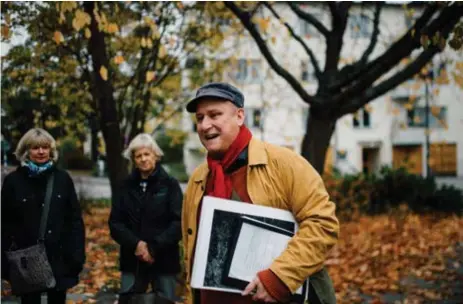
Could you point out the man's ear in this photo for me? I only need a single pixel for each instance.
(240, 116)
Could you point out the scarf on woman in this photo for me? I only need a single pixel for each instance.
(35, 169)
(220, 184)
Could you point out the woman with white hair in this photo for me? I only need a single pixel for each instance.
(23, 200)
(145, 221)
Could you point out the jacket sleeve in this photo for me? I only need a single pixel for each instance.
(74, 241)
(7, 193)
(173, 233)
(117, 225)
(308, 200)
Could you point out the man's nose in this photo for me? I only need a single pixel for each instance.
(205, 123)
(41, 150)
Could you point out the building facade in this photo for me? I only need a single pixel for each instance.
(389, 131)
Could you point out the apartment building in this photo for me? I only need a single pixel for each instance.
(388, 131)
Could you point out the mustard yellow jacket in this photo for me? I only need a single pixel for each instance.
(279, 178)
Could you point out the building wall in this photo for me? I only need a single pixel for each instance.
(285, 113)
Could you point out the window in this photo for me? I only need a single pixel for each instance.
(253, 118)
(248, 71)
(359, 26)
(242, 73)
(307, 71)
(437, 117)
(443, 159)
(307, 29)
(362, 119)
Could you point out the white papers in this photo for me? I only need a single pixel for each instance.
(219, 218)
(255, 250)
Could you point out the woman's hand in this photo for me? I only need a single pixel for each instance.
(142, 252)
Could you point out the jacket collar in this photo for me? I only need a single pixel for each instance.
(159, 174)
(257, 155)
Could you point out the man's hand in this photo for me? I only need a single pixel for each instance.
(142, 252)
(260, 293)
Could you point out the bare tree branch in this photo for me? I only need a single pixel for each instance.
(374, 34)
(255, 9)
(333, 6)
(444, 23)
(334, 41)
(246, 21)
(399, 50)
(142, 66)
(179, 108)
(390, 83)
(298, 38)
(307, 17)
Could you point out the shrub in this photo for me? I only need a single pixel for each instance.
(358, 194)
(76, 160)
(72, 156)
(177, 171)
(171, 142)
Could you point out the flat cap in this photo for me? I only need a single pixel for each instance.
(220, 90)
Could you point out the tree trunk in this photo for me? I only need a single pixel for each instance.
(109, 122)
(317, 139)
(94, 138)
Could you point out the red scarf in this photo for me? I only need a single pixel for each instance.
(220, 184)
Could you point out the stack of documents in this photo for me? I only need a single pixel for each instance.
(237, 240)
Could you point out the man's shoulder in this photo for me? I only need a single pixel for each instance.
(199, 171)
(278, 153)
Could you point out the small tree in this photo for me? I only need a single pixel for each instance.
(125, 60)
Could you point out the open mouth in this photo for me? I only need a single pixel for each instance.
(211, 136)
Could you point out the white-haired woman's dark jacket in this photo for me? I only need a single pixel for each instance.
(152, 216)
(21, 206)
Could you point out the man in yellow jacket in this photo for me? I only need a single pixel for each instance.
(264, 174)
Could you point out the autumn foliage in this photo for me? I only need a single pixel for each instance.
(374, 256)
(397, 255)
(393, 255)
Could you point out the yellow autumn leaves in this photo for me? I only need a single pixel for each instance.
(150, 75)
(82, 20)
(104, 73)
(58, 37)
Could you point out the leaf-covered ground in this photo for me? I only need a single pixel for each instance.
(384, 259)
(407, 258)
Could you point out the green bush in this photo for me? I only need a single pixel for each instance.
(177, 171)
(171, 142)
(72, 157)
(76, 160)
(387, 190)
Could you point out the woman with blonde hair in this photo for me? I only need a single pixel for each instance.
(145, 221)
(38, 185)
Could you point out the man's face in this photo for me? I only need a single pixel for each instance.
(218, 123)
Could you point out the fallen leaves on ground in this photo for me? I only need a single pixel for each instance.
(374, 256)
(101, 268)
(384, 254)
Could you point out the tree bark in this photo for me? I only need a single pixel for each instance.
(117, 167)
(317, 139)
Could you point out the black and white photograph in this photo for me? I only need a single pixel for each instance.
(220, 222)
